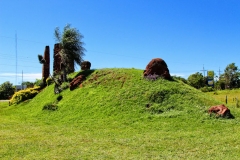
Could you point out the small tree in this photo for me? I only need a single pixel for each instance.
(220, 83)
(231, 75)
(6, 90)
(197, 80)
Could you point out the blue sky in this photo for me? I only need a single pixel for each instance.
(187, 34)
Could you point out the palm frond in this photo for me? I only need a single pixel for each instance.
(57, 34)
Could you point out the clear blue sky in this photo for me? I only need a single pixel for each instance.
(187, 34)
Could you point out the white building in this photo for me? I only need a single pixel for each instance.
(20, 87)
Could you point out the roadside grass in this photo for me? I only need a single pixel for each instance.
(231, 95)
(117, 114)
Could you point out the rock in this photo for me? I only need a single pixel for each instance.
(220, 110)
(85, 65)
(77, 82)
(157, 66)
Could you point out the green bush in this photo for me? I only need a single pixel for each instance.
(69, 79)
(59, 98)
(65, 85)
(50, 106)
(207, 89)
(39, 83)
(159, 96)
(23, 95)
(49, 81)
(237, 103)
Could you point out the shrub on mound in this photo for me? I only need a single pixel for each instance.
(53, 105)
(23, 95)
(49, 81)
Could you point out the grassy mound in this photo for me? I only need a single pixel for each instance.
(113, 92)
(118, 114)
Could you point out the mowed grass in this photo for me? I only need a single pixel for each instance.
(117, 114)
(227, 97)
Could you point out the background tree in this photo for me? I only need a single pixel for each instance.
(197, 80)
(71, 48)
(231, 76)
(6, 90)
(220, 83)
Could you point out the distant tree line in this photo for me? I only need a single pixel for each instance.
(230, 79)
(7, 89)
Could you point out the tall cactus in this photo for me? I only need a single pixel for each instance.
(46, 65)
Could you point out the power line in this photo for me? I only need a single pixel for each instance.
(22, 60)
(12, 55)
(94, 51)
(16, 57)
(24, 40)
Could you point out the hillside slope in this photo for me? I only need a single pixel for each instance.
(113, 92)
(117, 114)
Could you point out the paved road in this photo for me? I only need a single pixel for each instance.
(4, 100)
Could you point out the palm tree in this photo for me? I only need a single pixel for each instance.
(71, 48)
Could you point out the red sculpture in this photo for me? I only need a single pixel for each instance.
(220, 110)
(77, 81)
(157, 66)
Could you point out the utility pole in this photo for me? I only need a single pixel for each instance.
(203, 71)
(16, 58)
(219, 71)
(22, 79)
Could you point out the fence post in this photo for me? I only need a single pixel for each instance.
(237, 105)
(226, 99)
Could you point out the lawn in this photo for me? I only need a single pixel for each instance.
(227, 97)
(108, 118)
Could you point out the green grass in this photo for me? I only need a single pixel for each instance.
(230, 95)
(117, 114)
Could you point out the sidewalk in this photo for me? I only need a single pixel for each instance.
(4, 100)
